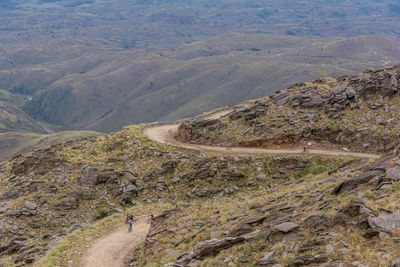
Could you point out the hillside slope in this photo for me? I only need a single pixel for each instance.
(12, 117)
(142, 86)
(220, 209)
(358, 113)
(12, 143)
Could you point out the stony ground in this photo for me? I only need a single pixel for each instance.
(358, 113)
(230, 210)
(345, 217)
(49, 193)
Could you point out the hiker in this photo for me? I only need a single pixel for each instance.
(130, 226)
(150, 218)
(304, 150)
(228, 147)
(127, 218)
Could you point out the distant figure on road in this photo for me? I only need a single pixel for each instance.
(304, 149)
(130, 226)
(150, 218)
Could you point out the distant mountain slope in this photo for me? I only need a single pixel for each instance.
(18, 142)
(12, 118)
(137, 86)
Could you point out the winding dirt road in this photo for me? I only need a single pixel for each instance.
(164, 133)
(112, 249)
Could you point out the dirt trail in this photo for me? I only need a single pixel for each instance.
(112, 249)
(165, 134)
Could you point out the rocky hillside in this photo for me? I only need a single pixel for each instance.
(229, 210)
(345, 217)
(359, 113)
(51, 192)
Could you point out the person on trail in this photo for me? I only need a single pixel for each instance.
(130, 226)
(304, 150)
(127, 218)
(150, 218)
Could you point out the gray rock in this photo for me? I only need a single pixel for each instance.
(136, 203)
(119, 210)
(393, 173)
(262, 177)
(68, 204)
(385, 222)
(169, 166)
(318, 223)
(30, 206)
(316, 101)
(355, 182)
(267, 259)
(176, 179)
(209, 247)
(5, 206)
(130, 188)
(240, 230)
(379, 120)
(309, 259)
(286, 227)
(350, 93)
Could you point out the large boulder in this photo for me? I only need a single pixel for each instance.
(385, 222)
(393, 173)
(355, 182)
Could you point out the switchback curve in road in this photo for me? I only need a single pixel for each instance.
(165, 134)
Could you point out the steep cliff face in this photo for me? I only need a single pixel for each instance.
(358, 112)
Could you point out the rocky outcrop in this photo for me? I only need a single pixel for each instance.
(385, 222)
(353, 183)
(209, 247)
(196, 131)
(303, 113)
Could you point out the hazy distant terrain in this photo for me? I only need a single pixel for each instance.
(100, 65)
(138, 86)
(18, 142)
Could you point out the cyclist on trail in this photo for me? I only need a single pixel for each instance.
(150, 218)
